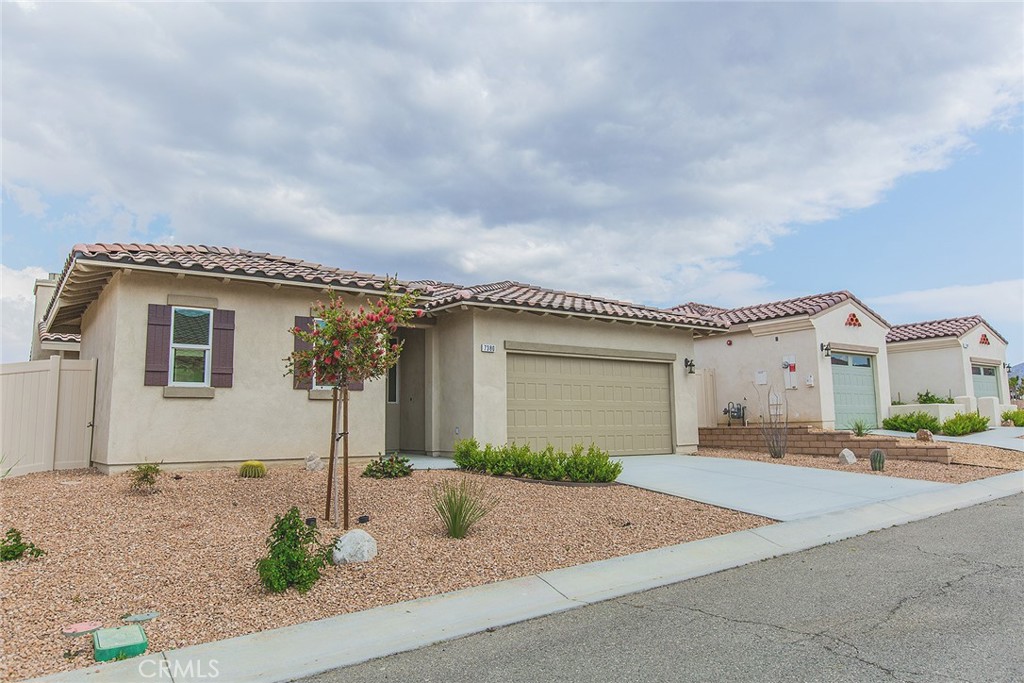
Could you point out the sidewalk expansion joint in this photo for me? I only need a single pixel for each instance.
(552, 587)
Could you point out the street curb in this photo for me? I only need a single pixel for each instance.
(306, 649)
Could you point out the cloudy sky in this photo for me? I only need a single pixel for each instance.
(724, 153)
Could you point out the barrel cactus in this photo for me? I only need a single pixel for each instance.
(252, 469)
(877, 457)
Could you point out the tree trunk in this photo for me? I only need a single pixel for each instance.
(334, 452)
(344, 428)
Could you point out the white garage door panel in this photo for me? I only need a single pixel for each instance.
(622, 406)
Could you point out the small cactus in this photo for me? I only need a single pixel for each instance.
(877, 457)
(252, 469)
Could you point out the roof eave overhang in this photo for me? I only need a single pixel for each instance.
(574, 314)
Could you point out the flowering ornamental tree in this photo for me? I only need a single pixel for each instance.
(345, 345)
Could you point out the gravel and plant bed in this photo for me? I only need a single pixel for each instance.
(970, 463)
(188, 550)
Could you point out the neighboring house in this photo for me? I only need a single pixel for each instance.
(63, 343)
(190, 344)
(821, 357)
(952, 357)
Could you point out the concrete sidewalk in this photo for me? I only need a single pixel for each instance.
(1008, 438)
(305, 649)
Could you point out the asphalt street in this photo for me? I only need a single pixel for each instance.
(936, 600)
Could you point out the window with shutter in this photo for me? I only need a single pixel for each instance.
(189, 346)
(305, 322)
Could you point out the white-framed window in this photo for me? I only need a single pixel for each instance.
(191, 348)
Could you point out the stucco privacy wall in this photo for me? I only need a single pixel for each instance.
(473, 384)
(832, 329)
(261, 416)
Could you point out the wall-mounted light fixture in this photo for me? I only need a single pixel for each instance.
(1007, 367)
(689, 365)
(826, 349)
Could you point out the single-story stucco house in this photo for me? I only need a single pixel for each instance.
(951, 358)
(822, 357)
(190, 344)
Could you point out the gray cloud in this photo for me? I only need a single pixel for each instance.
(629, 150)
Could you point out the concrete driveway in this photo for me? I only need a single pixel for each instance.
(781, 492)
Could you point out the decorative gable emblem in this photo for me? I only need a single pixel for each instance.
(852, 320)
(984, 340)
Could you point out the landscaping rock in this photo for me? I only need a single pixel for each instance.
(354, 546)
(313, 462)
(846, 457)
(1007, 423)
(924, 435)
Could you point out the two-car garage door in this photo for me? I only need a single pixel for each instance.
(623, 406)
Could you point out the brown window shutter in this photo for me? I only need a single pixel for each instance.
(223, 348)
(158, 345)
(303, 322)
(355, 386)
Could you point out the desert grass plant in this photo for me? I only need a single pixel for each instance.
(144, 476)
(1014, 416)
(860, 428)
(252, 469)
(4, 471)
(388, 467)
(460, 504)
(912, 422)
(964, 423)
(14, 547)
(295, 555)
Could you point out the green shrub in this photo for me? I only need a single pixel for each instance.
(12, 547)
(460, 505)
(294, 554)
(144, 476)
(911, 422)
(252, 469)
(964, 423)
(592, 466)
(859, 427)
(928, 397)
(388, 467)
(1014, 416)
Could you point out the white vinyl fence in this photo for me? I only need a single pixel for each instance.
(47, 412)
(707, 398)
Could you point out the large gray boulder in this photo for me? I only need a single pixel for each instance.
(924, 435)
(354, 546)
(846, 457)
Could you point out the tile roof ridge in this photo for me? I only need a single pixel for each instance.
(938, 321)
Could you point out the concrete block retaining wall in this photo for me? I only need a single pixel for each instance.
(804, 441)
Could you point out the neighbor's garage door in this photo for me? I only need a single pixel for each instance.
(622, 406)
(986, 382)
(854, 382)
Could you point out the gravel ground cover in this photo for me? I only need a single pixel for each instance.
(970, 463)
(188, 551)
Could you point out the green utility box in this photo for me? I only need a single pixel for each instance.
(119, 643)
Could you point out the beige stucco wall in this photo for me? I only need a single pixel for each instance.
(260, 417)
(938, 368)
(472, 389)
(736, 367)
(736, 364)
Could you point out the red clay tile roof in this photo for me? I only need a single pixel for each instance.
(58, 336)
(699, 310)
(934, 329)
(203, 259)
(804, 305)
(519, 295)
(92, 275)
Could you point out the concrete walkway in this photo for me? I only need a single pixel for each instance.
(1008, 438)
(305, 649)
(779, 492)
